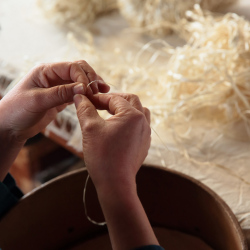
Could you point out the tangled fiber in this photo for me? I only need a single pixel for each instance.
(157, 16)
(207, 81)
(196, 93)
(153, 16)
(76, 12)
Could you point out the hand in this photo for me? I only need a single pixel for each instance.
(113, 149)
(46, 90)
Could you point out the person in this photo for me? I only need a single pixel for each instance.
(113, 149)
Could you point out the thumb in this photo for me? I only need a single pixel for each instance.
(61, 94)
(86, 112)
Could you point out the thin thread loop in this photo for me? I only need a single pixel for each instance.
(100, 81)
(85, 206)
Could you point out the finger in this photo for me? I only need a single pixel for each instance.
(78, 74)
(102, 85)
(59, 95)
(90, 73)
(114, 104)
(133, 100)
(48, 75)
(92, 76)
(147, 114)
(86, 112)
(52, 74)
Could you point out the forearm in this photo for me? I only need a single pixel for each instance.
(9, 146)
(8, 153)
(126, 219)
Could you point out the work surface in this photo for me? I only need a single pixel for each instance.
(27, 37)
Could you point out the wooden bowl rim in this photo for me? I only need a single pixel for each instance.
(202, 186)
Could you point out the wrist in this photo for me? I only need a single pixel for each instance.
(126, 219)
(9, 149)
(9, 138)
(7, 135)
(116, 189)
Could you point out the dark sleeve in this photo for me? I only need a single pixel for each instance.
(9, 194)
(149, 247)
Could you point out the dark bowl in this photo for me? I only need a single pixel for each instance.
(184, 213)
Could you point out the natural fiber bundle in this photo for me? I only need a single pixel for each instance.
(76, 12)
(194, 94)
(158, 16)
(208, 79)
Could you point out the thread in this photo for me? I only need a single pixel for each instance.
(85, 206)
(159, 17)
(99, 81)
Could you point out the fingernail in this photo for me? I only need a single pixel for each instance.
(77, 99)
(79, 89)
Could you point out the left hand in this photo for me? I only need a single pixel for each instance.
(46, 90)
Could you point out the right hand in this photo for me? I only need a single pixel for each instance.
(113, 149)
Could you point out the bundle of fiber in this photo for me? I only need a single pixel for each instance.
(205, 82)
(160, 16)
(76, 12)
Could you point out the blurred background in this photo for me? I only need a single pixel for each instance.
(28, 35)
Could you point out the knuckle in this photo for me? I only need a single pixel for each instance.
(39, 73)
(77, 72)
(89, 127)
(72, 64)
(135, 101)
(39, 67)
(39, 70)
(62, 93)
(137, 117)
(134, 98)
(92, 76)
(81, 62)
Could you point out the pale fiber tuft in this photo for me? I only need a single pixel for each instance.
(158, 16)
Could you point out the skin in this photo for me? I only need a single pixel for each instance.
(29, 107)
(113, 149)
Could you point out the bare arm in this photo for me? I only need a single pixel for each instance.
(9, 149)
(114, 150)
(126, 219)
